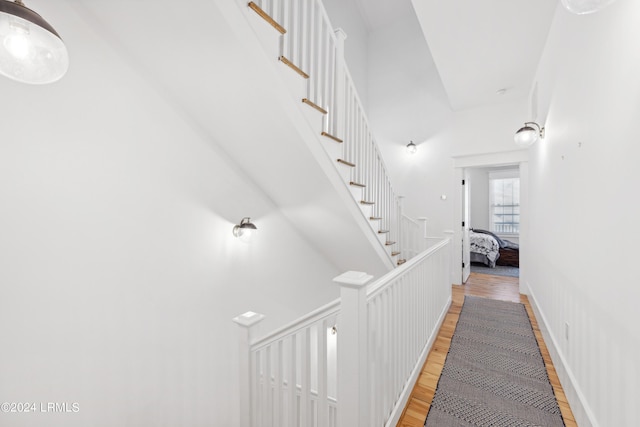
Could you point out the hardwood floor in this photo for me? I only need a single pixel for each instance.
(481, 285)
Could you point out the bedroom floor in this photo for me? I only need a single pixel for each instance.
(481, 285)
(498, 270)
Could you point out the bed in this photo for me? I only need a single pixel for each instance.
(490, 250)
(484, 248)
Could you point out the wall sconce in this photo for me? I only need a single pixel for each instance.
(244, 230)
(412, 148)
(527, 135)
(30, 49)
(583, 7)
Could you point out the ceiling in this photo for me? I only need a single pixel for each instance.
(484, 52)
(380, 13)
(479, 47)
(473, 50)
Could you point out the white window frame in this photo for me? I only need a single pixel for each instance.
(501, 174)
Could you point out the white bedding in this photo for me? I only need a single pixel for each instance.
(486, 245)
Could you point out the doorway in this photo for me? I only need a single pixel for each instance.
(464, 167)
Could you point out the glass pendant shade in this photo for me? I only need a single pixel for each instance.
(583, 7)
(526, 136)
(245, 230)
(30, 49)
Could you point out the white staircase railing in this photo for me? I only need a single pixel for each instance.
(414, 236)
(361, 146)
(312, 48)
(353, 362)
(293, 373)
(404, 309)
(310, 44)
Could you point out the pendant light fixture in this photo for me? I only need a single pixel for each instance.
(31, 51)
(528, 134)
(583, 7)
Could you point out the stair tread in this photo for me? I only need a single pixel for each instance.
(401, 261)
(390, 243)
(375, 218)
(293, 66)
(382, 231)
(314, 105)
(334, 138)
(395, 253)
(364, 202)
(344, 162)
(257, 9)
(355, 184)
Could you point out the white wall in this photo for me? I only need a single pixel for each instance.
(119, 273)
(583, 236)
(407, 101)
(424, 177)
(345, 14)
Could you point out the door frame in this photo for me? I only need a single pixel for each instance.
(515, 157)
(466, 256)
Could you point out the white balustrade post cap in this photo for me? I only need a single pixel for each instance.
(248, 319)
(339, 32)
(353, 279)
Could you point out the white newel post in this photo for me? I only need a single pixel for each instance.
(455, 269)
(353, 410)
(248, 328)
(401, 232)
(424, 220)
(340, 114)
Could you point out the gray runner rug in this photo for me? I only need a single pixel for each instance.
(494, 374)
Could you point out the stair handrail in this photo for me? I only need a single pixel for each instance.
(339, 355)
(403, 311)
(408, 218)
(315, 50)
(299, 324)
(379, 285)
(414, 235)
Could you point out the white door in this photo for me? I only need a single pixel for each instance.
(466, 251)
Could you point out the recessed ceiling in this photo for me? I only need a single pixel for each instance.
(481, 47)
(486, 52)
(380, 13)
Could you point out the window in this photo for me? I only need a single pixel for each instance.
(504, 201)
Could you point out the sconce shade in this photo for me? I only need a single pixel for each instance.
(245, 229)
(527, 135)
(412, 148)
(583, 7)
(31, 51)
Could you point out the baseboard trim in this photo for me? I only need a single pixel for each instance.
(411, 382)
(579, 406)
